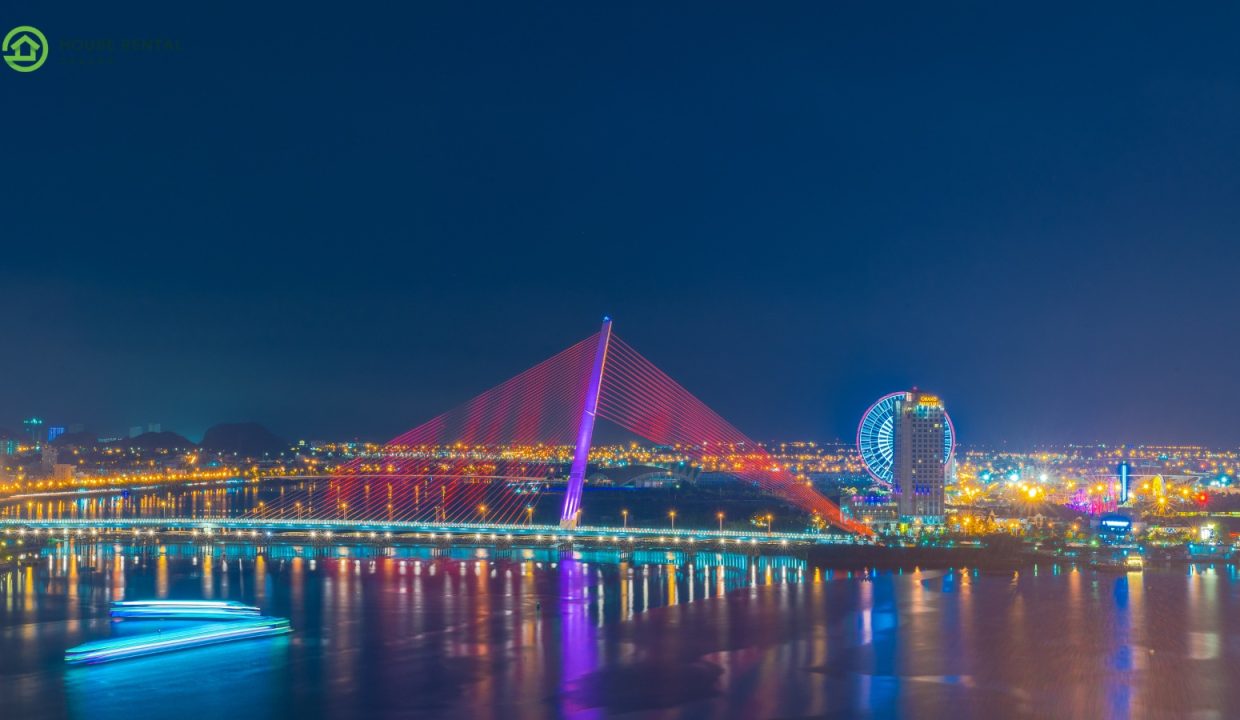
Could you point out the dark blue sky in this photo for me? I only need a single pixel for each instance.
(340, 221)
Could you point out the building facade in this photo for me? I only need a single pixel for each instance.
(880, 512)
(920, 475)
(34, 431)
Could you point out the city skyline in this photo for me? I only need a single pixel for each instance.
(118, 431)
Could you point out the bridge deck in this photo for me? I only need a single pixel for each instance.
(541, 533)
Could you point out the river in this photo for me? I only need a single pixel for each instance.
(477, 633)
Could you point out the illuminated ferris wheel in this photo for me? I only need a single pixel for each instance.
(876, 439)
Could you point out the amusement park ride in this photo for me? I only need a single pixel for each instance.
(876, 438)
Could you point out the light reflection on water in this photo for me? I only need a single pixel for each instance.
(464, 632)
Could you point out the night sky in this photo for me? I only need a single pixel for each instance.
(339, 221)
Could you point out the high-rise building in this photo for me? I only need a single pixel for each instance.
(54, 432)
(34, 431)
(920, 475)
(49, 458)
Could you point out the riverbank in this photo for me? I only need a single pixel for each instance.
(858, 557)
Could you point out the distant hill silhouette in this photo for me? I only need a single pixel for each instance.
(77, 439)
(145, 441)
(247, 439)
(158, 441)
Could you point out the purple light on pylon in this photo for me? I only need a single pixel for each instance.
(585, 431)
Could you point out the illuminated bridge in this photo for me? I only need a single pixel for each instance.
(337, 529)
(481, 468)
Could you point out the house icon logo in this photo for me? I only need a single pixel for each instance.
(24, 49)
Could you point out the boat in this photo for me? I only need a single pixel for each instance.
(182, 610)
(124, 648)
(1120, 560)
(1134, 563)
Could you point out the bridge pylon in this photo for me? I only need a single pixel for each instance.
(585, 432)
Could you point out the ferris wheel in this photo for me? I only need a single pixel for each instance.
(876, 439)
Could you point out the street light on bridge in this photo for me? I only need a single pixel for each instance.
(720, 516)
(482, 510)
(625, 515)
(672, 515)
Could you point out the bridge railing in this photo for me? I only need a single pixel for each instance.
(551, 533)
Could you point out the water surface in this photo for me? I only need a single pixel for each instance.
(410, 632)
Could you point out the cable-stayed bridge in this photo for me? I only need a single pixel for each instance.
(481, 467)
